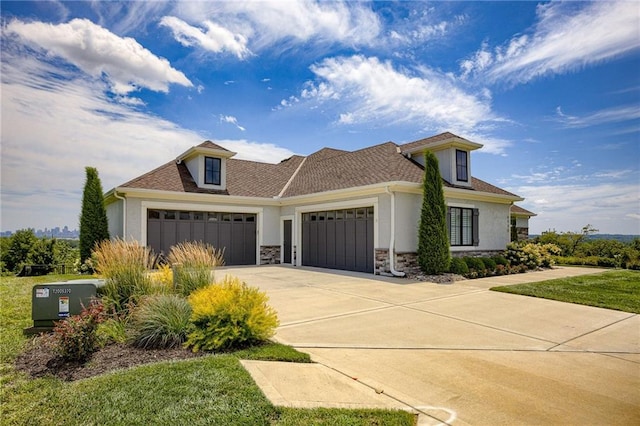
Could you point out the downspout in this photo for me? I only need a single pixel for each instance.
(392, 239)
(124, 213)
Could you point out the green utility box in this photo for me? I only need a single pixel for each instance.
(59, 300)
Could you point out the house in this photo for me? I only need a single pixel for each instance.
(332, 209)
(520, 223)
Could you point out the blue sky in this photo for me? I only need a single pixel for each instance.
(552, 90)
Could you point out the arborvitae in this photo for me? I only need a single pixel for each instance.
(93, 218)
(433, 240)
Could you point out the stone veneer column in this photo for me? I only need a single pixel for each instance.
(269, 255)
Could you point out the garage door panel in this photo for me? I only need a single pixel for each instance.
(340, 245)
(331, 244)
(340, 239)
(168, 236)
(236, 238)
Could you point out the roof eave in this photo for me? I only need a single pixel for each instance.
(456, 142)
(197, 150)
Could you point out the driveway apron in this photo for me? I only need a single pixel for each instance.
(459, 353)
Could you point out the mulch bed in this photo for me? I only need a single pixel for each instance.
(39, 359)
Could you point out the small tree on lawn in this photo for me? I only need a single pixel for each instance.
(433, 239)
(93, 218)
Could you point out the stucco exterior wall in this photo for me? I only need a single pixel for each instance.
(114, 219)
(494, 224)
(408, 208)
(522, 222)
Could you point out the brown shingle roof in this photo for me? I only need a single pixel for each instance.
(325, 170)
(244, 178)
(429, 141)
(376, 164)
(209, 144)
(519, 210)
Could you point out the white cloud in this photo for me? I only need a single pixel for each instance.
(231, 120)
(275, 23)
(610, 207)
(255, 151)
(568, 36)
(53, 128)
(372, 91)
(605, 116)
(100, 53)
(213, 37)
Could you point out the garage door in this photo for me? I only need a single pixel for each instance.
(338, 239)
(233, 232)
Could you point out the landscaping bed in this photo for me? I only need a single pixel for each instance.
(40, 360)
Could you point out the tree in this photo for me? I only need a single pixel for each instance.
(19, 250)
(433, 238)
(94, 227)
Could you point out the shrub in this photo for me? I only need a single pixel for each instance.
(160, 321)
(433, 236)
(112, 330)
(500, 260)
(75, 338)
(193, 265)
(94, 226)
(532, 255)
(162, 279)
(458, 266)
(230, 314)
(475, 263)
(124, 266)
(489, 263)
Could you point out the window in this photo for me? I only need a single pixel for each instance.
(212, 170)
(463, 226)
(462, 173)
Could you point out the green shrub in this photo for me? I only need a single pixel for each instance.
(500, 260)
(75, 338)
(474, 263)
(193, 265)
(160, 321)
(124, 266)
(489, 263)
(532, 255)
(112, 330)
(458, 266)
(230, 314)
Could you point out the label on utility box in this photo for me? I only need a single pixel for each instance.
(63, 306)
(42, 293)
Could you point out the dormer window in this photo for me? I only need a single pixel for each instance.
(462, 169)
(212, 170)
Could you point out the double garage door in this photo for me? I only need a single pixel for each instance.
(338, 239)
(235, 233)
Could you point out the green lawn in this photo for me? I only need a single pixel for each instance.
(209, 390)
(616, 289)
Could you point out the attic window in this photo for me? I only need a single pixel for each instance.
(462, 173)
(212, 171)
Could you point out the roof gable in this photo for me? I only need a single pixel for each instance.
(442, 140)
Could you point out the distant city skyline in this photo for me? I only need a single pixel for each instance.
(55, 232)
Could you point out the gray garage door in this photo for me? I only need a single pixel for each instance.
(233, 232)
(338, 239)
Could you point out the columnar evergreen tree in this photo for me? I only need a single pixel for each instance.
(93, 218)
(433, 239)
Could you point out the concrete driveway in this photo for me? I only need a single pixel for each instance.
(457, 354)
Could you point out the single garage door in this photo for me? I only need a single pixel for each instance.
(338, 239)
(235, 233)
